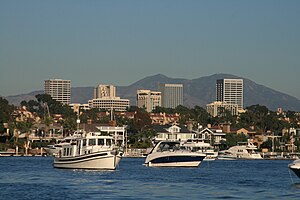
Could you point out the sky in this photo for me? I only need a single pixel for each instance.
(122, 41)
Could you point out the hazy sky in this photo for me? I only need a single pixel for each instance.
(119, 42)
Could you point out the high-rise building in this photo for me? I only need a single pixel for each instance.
(148, 99)
(230, 91)
(104, 91)
(58, 89)
(171, 94)
(105, 99)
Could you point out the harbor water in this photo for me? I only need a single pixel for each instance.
(35, 178)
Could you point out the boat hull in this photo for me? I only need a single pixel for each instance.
(175, 161)
(295, 167)
(94, 161)
(296, 171)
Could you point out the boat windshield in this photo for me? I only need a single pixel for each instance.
(167, 146)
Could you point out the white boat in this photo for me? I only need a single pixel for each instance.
(201, 147)
(225, 155)
(51, 149)
(172, 154)
(87, 151)
(247, 151)
(295, 167)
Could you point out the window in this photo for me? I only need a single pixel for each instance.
(100, 141)
(108, 142)
(92, 142)
(84, 142)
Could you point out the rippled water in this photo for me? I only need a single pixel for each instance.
(35, 178)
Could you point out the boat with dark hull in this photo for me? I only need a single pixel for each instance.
(172, 154)
(295, 167)
(87, 151)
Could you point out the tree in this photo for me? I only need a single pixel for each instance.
(200, 115)
(140, 128)
(269, 145)
(163, 110)
(6, 111)
(91, 114)
(234, 139)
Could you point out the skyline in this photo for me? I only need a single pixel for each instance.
(120, 42)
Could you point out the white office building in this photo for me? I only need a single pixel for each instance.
(58, 89)
(105, 99)
(217, 108)
(104, 91)
(230, 91)
(148, 99)
(77, 107)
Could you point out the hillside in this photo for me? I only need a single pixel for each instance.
(198, 91)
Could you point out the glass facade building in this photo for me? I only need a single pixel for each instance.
(172, 95)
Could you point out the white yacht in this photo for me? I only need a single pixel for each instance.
(295, 167)
(247, 151)
(201, 147)
(226, 155)
(172, 154)
(87, 151)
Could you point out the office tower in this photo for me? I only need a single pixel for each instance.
(105, 99)
(171, 94)
(104, 91)
(58, 89)
(230, 91)
(148, 99)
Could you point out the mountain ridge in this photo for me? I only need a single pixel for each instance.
(199, 91)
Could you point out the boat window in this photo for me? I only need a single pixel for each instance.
(78, 147)
(100, 141)
(92, 142)
(84, 142)
(108, 142)
(169, 146)
(187, 148)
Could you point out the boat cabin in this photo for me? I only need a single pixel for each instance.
(88, 144)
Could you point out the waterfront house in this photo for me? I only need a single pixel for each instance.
(213, 136)
(172, 132)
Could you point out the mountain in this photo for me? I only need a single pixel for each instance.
(200, 91)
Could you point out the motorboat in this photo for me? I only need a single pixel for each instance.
(199, 146)
(295, 167)
(247, 151)
(87, 151)
(173, 154)
(226, 155)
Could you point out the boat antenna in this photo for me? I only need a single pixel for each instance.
(78, 121)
